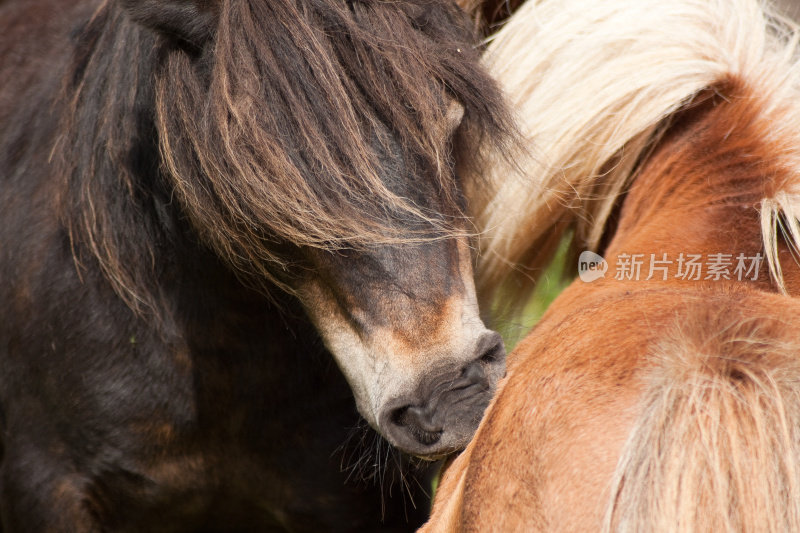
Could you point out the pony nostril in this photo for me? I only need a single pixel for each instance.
(473, 373)
(491, 350)
(399, 416)
(442, 414)
(423, 419)
(419, 423)
(483, 369)
(492, 356)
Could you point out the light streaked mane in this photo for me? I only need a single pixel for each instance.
(592, 108)
(716, 443)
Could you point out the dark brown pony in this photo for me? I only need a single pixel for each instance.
(197, 198)
(654, 395)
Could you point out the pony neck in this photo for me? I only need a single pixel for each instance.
(701, 189)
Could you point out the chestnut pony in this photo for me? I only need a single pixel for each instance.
(203, 205)
(661, 391)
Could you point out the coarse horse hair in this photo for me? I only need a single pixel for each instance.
(222, 222)
(255, 157)
(588, 141)
(715, 445)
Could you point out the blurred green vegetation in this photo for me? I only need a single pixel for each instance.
(552, 282)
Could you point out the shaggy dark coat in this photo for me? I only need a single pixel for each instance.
(165, 169)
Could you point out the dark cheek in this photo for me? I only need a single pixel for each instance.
(404, 289)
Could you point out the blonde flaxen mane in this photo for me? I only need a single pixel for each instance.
(593, 108)
(716, 443)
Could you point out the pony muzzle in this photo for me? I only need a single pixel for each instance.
(441, 416)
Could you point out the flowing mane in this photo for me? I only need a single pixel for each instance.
(647, 398)
(721, 406)
(590, 139)
(262, 134)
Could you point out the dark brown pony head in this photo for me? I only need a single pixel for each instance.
(313, 145)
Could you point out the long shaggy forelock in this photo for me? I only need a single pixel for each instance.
(281, 142)
(271, 133)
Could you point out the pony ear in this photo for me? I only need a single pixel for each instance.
(191, 21)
